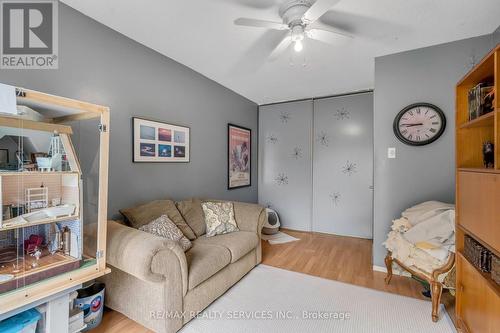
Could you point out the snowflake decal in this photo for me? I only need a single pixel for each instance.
(349, 168)
(342, 114)
(323, 139)
(335, 197)
(297, 153)
(282, 179)
(272, 139)
(285, 117)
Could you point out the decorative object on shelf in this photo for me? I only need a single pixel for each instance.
(239, 151)
(156, 141)
(477, 254)
(419, 124)
(488, 154)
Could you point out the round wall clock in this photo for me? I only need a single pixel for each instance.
(419, 124)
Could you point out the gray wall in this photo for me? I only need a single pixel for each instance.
(102, 66)
(418, 173)
(495, 37)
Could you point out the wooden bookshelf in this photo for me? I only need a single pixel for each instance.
(477, 200)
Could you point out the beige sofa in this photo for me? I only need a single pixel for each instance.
(156, 284)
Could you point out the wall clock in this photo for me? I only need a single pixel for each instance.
(419, 124)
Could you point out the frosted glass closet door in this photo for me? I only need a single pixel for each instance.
(343, 165)
(285, 165)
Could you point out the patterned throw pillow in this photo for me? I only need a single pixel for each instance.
(164, 227)
(219, 218)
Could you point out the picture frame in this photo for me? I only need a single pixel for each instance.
(159, 142)
(239, 157)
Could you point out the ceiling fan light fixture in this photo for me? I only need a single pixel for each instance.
(297, 33)
(298, 46)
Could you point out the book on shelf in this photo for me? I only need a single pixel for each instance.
(480, 100)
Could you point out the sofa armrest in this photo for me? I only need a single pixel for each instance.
(249, 217)
(145, 256)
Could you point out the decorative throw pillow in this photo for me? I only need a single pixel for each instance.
(164, 227)
(192, 212)
(219, 218)
(143, 214)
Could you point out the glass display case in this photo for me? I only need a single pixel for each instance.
(53, 193)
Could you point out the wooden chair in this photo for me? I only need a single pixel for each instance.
(432, 278)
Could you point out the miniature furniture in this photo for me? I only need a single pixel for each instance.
(478, 199)
(432, 279)
(42, 222)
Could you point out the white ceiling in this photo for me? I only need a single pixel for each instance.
(200, 34)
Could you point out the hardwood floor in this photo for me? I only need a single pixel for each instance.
(344, 259)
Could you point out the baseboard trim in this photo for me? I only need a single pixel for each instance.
(394, 272)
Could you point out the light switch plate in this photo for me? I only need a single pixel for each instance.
(391, 152)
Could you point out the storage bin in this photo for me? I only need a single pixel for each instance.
(24, 322)
(91, 301)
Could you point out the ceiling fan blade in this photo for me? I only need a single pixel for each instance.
(280, 48)
(326, 36)
(248, 22)
(317, 10)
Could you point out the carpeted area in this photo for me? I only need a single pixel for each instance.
(270, 299)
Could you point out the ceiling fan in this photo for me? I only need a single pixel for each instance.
(299, 18)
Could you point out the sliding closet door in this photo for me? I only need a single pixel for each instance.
(343, 165)
(285, 165)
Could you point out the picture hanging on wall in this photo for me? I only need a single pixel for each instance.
(156, 141)
(239, 156)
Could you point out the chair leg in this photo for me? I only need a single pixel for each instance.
(436, 291)
(388, 265)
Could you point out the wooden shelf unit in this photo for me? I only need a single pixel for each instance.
(477, 200)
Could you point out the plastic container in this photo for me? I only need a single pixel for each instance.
(91, 301)
(24, 322)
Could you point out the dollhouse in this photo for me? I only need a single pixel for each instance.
(42, 226)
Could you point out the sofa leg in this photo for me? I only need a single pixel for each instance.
(388, 265)
(436, 291)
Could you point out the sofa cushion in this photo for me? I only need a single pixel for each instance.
(164, 227)
(219, 218)
(238, 243)
(204, 260)
(193, 214)
(143, 214)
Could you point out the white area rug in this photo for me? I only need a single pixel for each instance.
(270, 299)
(279, 238)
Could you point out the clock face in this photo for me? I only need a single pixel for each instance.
(419, 124)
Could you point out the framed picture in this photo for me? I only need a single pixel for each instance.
(239, 156)
(155, 141)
